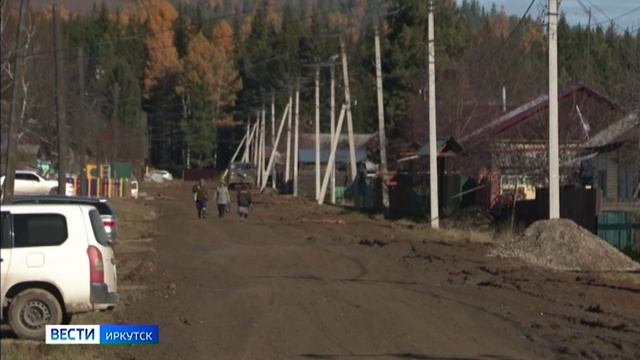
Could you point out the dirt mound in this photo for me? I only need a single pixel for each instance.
(471, 218)
(563, 245)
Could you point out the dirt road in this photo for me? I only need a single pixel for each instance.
(297, 282)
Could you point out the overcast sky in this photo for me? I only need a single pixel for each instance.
(601, 10)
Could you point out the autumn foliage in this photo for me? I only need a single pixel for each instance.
(162, 56)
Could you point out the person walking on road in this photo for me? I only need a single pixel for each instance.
(244, 203)
(201, 196)
(223, 199)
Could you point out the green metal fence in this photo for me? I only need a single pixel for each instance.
(616, 228)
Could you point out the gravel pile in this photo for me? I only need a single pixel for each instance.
(563, 245)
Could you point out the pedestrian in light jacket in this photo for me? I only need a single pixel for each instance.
(223, 199)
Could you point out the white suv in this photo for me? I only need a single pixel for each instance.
(30, 183)
(56, 261)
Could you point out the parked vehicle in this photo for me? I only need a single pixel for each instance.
(106, 211)
(134, 187)
(30, 183)
(56, 261)
(242, 174)
(158, 176)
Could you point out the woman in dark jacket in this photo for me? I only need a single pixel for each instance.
(244, 203)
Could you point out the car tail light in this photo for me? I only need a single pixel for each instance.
(109, 226)
(96, 266)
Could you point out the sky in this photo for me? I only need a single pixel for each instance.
(601, 10)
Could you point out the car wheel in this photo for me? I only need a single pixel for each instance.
(31, 310)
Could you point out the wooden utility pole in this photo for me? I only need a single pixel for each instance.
(287, 170)
(251, 130)
(245, 155)
(317, 152)
(259, 150)
(347, 99)
(263, 138)
(82, 124)
(332, 157)
(274, 174)
(382, 139)
(256, 142)
(272, 158)
(333, 129)
(14, 122)
(589, 48)
(554, 166)
(433, 154)
(296, 144)
(61, 111)
(114, 125)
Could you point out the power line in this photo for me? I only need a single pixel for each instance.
(612, 20)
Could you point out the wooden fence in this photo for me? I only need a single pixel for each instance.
(580, 205)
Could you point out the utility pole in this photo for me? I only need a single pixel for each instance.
(114, 125)
(259, 151)
(14, 123)
(433, 155)
(61, 112)
(504, 98)
(554, 176)
(263, 138)
(317, 131)
(333, 129)
(347, 99)
(287, 170)
(382, 139)
(256, 143)
(82, 124)
(274, 174)
(589, 48)
(332, 156)
(272, 158)
(296, 144)
(245, 155)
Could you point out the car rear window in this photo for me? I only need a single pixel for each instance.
(104, 208)
(98, 228)
(39, 230)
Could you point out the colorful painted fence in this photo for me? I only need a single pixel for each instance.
(104, 187)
